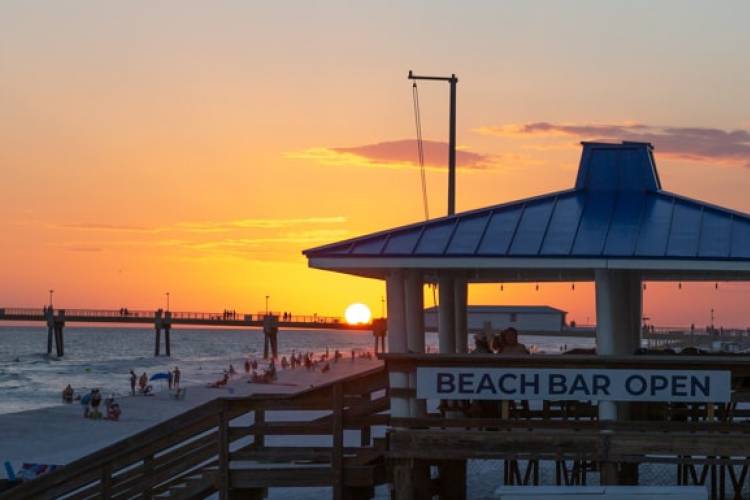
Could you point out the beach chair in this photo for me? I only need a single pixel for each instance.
(29, 471)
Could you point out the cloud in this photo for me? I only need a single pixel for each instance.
(109, 227)
(212, 226)
(85, 249)
(268, 223)
(315, 236)
(392, 154)
(690, 143)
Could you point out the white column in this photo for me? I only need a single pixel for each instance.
(394, 287)
(414, 305)
(461, 297)
(618, 321)
(446, 315)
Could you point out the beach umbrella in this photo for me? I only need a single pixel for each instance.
(159, 376)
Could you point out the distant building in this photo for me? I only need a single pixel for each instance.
(523, 318)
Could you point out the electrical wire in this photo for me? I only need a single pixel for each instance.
(420, 150)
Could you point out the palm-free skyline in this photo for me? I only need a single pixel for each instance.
(198, 148)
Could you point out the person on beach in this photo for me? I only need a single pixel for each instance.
(133, 378)
(143, 386)
(247, 366)
(67, 394)
(114, 411)
(284, 363)
(176, 378)
(232, 371)
(170, 378)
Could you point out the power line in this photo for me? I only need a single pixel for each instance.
(420, 150)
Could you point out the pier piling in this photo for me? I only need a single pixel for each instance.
(270, 336)
(162, 321)
(55, 326)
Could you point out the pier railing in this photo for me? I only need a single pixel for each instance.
(128, 315)
(225, 444)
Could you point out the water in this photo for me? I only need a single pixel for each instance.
(102, 357)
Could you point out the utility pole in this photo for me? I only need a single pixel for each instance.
(267, 297)
(50, 296)
(452, 80)
(167, 294)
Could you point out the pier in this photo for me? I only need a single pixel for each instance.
(269, 323)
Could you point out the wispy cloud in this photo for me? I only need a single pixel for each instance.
(392, 154)
(292, 237)
(268, 223)
(691, 143)
(211, 226)
(267, 239)
(86, 226)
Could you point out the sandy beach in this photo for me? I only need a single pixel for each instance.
(60, 434)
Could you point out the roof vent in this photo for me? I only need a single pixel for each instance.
(628, 166)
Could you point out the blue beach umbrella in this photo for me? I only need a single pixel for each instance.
(159, 376)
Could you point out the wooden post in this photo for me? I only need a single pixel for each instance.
(224, 479)
(403, 480)
(106, 480)
(452, 479)
(50, 333)
(337, 453)
(167, 345)
(157, 344)
(148, 473)
(259, 440)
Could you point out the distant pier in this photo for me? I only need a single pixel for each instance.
(162, 321)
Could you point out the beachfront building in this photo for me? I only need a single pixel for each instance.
(525, 319)
(616, 227)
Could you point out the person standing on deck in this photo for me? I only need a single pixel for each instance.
(133, 378)
(176, 378)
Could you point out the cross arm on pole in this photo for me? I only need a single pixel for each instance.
(451, 78)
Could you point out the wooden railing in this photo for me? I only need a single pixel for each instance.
(202, 451)
(705, 443)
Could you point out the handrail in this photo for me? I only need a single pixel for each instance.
(739, 365)
(104, 468)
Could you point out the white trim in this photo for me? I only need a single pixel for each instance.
(499, 263)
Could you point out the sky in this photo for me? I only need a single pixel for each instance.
(197, 148)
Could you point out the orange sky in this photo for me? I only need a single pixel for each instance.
(198, 149)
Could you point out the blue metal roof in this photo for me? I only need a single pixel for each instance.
(617, 209)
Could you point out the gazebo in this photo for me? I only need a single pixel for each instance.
(616, 227)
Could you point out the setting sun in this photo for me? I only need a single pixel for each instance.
(357, 313)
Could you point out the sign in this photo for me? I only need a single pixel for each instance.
(586, 384)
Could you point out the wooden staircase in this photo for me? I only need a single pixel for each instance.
(220, 446)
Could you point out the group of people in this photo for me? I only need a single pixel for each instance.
(505, 342)
(91, 403)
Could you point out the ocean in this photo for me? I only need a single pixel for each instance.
(102, 357)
